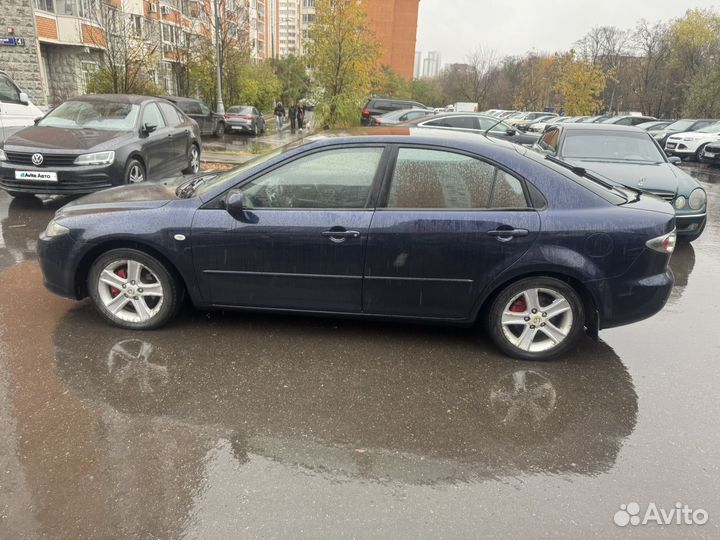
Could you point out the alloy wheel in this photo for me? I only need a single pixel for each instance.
(130, 291)
(537, 319)
(136, 174)
(194, 159)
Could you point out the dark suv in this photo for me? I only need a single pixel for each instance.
(210, 123)
(378, 106)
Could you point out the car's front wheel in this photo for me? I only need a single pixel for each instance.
(699, 153)
(134, 172)
(536, 318)
(133, 290)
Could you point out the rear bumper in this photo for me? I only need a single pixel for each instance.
(239, 126)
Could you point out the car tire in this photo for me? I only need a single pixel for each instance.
(140, 308)
(194, 160)
(699, 153)
(255, 130)
(134, 172)
(521, 333)
(219, 130)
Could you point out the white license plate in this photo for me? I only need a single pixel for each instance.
(710, 155)
(237, 127)
(36, 176)
(670, 145)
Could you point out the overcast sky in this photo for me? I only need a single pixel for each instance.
(514, 27)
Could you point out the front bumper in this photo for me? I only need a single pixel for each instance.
(58, 275)
(679, 148)
(71, 180)
(690, 224)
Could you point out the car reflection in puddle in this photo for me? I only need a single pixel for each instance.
(405, 404)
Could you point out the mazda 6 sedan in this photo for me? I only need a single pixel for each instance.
(397, 223)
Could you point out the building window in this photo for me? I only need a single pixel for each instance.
(87, 69)
(45, 5)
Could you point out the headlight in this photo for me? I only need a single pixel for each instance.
(697, 199)
(680, 202)
(659, 136)
(3, 156)
(55, 229)
(99, 158)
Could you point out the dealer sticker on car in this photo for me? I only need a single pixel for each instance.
(36, 175)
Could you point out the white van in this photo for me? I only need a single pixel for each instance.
(16, 110)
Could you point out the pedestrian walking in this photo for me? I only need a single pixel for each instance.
(279, 115)
(293, 115)
(301, 117)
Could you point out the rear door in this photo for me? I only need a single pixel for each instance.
(158, 144)
(449, 224)
(180, 134)
(301, 244)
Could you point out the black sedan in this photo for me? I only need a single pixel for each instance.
(210, 123)
(96, 142)
(479, 123)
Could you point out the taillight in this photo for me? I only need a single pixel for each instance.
(664, 243)
(366, 112)
(247, 117)
(376, 121)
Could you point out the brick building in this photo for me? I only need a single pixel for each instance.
(394, 23)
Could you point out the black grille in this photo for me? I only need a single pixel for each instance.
(49, 160)
(664, 195)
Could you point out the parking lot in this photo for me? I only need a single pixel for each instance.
(271, 426)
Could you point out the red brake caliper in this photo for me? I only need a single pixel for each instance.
(519, 305)
(121, 272)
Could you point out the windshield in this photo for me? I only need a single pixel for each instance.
(103, 115)
(611, 146)
(211, 182)
(681, 125)
(712, 128)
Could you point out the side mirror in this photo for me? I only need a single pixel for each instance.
(675, 160)
(511, 132)
(235, 204)
(37, 120)
(148, 128)
(24, 99)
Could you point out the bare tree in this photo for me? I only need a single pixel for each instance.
(472, 81)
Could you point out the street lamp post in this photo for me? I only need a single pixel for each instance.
(218, 60)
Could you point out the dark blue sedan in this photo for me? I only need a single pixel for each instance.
(415, 224)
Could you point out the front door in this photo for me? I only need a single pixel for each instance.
(449, 225)
(301, 243)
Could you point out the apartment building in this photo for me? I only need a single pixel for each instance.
(58, 44)
(394, 23)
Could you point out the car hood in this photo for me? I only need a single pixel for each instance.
(146, 195)
(645, 176)
(53, 138)
(694, 136)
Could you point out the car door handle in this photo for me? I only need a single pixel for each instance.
(505, 235)
(340, 235)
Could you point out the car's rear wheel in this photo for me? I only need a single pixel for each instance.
(536, 318)
(194, 164)
(133, 290)
(134, 172)
(219, 129)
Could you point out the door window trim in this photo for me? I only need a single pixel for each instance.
(217, 202)
(381, 203)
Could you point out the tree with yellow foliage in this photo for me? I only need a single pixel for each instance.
(343, 56)
(580, 84)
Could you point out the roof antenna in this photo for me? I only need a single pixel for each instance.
(488, 129)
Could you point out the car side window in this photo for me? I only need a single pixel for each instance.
(8, 90)
(205, 110)
(338, 179)
(151, 116)
(171, 114)
(192, 108)
(437, 179)
(549, 141)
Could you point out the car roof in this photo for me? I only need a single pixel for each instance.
(585, 126)
(115, 98)
(179, 99)
(411, 134)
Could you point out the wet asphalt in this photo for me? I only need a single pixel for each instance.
(250, 426)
